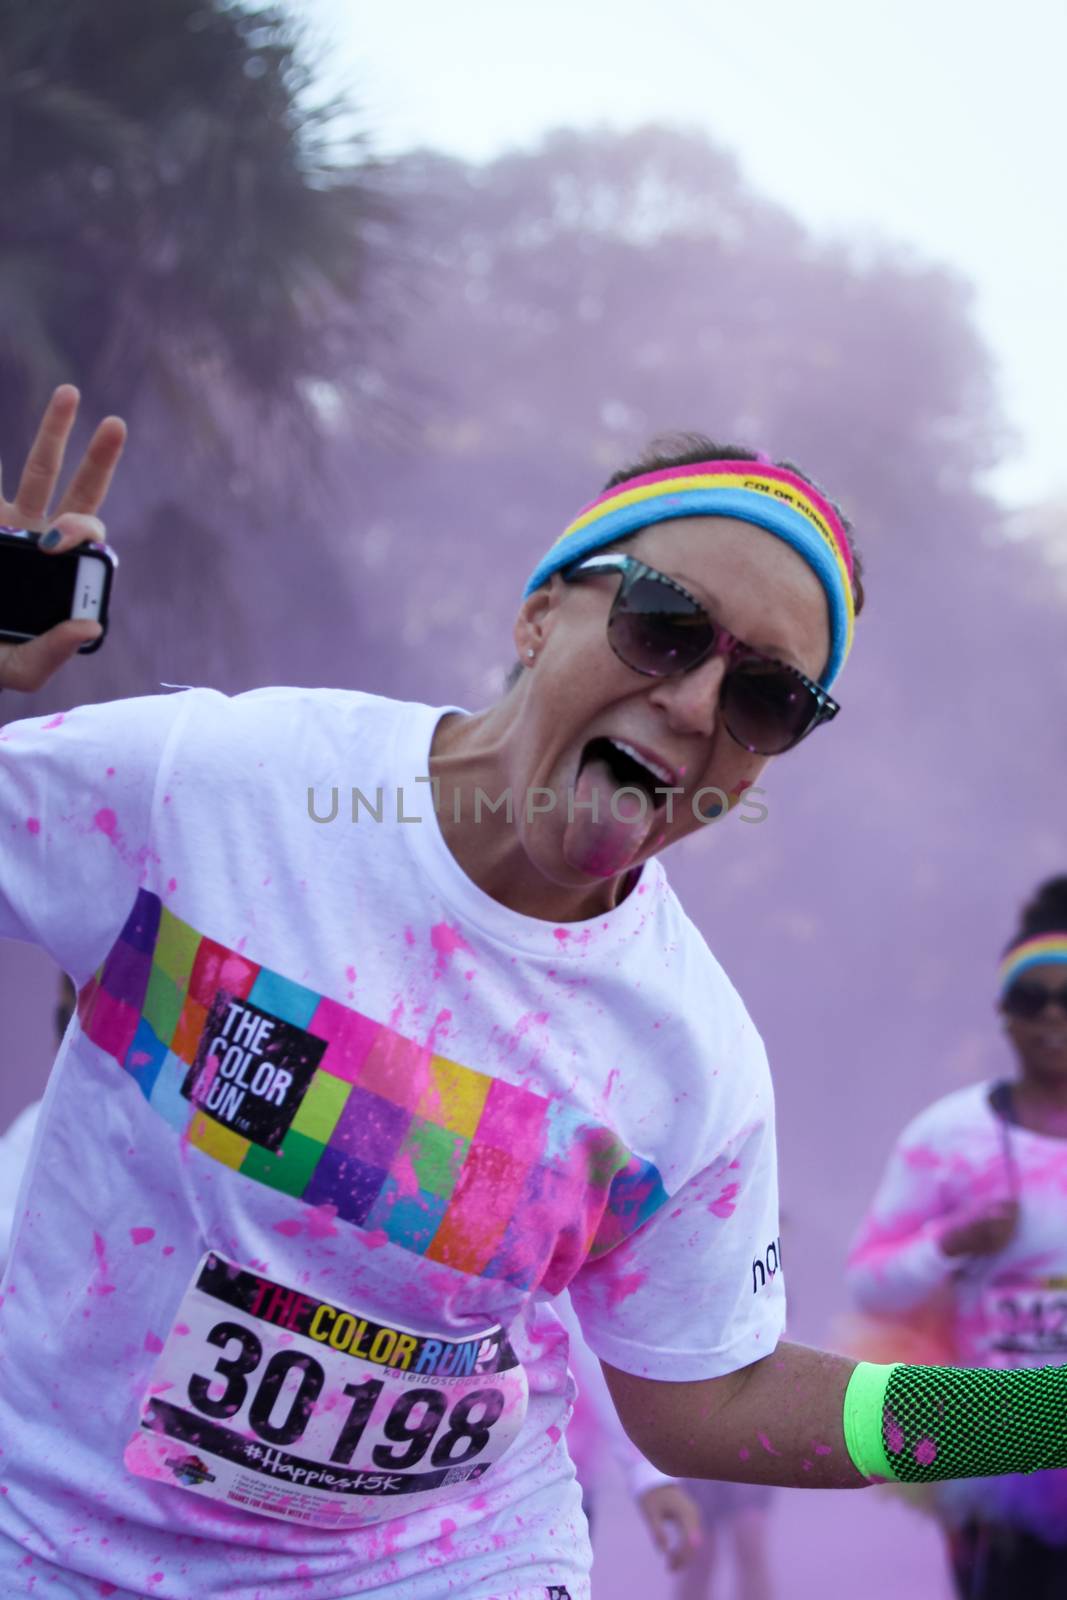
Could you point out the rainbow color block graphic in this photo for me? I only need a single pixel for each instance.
(311, 1097)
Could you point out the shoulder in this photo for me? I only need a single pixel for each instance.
(705, 991)
(956, 1115)
(285, 717)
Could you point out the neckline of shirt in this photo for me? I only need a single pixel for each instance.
(563, 941)
(1016, 1129)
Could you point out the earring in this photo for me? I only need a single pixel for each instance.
(530, 653)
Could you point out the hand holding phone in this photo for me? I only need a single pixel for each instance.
(30, 591)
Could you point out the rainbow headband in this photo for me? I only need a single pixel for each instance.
(752, 491)
(1031, 953)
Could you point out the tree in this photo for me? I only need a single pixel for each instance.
(187, 239)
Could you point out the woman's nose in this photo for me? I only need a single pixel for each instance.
(690, 700)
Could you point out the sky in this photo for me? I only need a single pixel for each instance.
(938, 125)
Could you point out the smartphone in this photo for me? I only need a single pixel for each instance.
(38, 590)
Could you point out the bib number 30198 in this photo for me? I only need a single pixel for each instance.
(297, 1408)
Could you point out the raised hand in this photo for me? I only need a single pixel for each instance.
(28, 665)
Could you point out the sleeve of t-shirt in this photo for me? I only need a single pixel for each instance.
(896, 1263)
(698, 1290)
(77, 792)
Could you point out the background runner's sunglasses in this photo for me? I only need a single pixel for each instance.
(1030, 999)
(660, 629)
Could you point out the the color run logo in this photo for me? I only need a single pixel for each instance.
(252, 1070)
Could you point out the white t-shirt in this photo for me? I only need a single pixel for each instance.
(15, 1146)
(1005, 1310)
(332, 1129)
(594, 1434)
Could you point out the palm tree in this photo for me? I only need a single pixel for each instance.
(182, 234)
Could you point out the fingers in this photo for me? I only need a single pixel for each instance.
(74, 530)
(689, 1535)
(692, 1531)
(657, 1527)
(88, 488)
(26, 667)
(45, 460)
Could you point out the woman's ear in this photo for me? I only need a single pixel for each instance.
(534, 619)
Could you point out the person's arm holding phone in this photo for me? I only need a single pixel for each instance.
(78, 788)
(26, 665)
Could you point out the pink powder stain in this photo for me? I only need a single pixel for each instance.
(554, 1434)
(624, 1286)
(723, 1204)
(439, 1025)
(767, 1445)
(446, 940)
(375, 1240)
(106, 821)
(102, 1272)
(142, 1235)
(894, 1433)
(208, 1074)
(407, 1180)
(444, 1537)
(320, 1222)
(925, 1452)
(181, 1328)
(409, 936)
(110, 773)
(105, 1588)
(743, 1454)
(291, 1227)
(823, 1449)
(168, 1249)
(350, 974)
(33, 825)
(56, 722)
(921, 1158)
(172, 884)
(153, 1343)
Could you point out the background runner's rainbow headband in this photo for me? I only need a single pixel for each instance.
(752, 491)
(1031, 953)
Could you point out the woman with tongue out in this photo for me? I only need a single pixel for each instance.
(301, 1339)
(685, 628)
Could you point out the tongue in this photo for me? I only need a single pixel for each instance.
(610, 843)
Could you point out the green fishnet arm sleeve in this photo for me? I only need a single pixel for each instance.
(919, 1424)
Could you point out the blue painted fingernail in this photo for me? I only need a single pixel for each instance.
(49, 540)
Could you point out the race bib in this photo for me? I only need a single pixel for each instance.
(1025, 1325)
(294, 1407)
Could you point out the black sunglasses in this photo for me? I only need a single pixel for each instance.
(660, 629)
(1030, 999)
